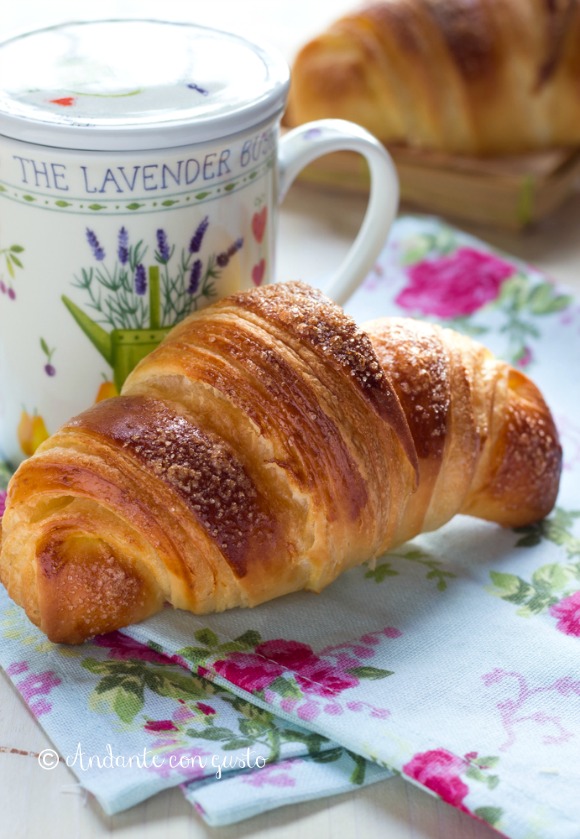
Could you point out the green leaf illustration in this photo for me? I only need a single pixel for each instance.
(508, 584)
(487, 762)
(120, 690)
(250, 639)
(16, 249)
(166, 682)
(552, 577)
(5, 475)
(368, 672)
(206, 637)
(212, 733)
(97, 207)
(358, 774)
(328, 756)
(417, 248)
(201, 195)
(491, 815)
(134, 205)
(286, 688)
(545, 300)
(237, 743)
(380, 572)
(169, 202)
(254, 728)
(62, 203)
(197, 655)
(127, 704)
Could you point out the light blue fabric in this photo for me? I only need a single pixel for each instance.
(453, 661)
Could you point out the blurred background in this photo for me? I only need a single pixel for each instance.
(534, 215)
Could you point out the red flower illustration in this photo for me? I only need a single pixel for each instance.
(2, 503)
(322, 679)
(290, 654)
(122, 647)
(568, 613)
(455, 285)
(160, 725)
(248, 671)
(439, 770)
(205, 709)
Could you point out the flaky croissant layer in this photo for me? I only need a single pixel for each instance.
(477, 77)
(266, 446)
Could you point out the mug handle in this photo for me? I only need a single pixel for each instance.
(304, 144)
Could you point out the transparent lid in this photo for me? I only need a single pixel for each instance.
(135, 84)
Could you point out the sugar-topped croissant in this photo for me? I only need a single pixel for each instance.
(265, 447)
(478, 77)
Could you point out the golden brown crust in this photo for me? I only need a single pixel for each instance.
(266, 446)
(486, 440)
(476, 77)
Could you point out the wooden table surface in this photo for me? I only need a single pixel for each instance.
(37, 804)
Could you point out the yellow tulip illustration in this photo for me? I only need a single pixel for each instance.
(106, 390)
(31, 432)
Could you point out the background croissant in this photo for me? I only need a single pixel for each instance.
(478, 77)
(266, 446)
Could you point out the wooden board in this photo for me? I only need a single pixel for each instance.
(508, 192)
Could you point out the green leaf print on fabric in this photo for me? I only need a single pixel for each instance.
(5, 475)
(553, 587)
(521, 302)
(123, 684)
(435, 572)
(556, 529)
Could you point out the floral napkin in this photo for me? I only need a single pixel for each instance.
(454, 661)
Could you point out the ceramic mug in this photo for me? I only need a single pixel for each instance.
(140, 176)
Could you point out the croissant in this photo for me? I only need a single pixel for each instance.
(477, 77)
(266, 446)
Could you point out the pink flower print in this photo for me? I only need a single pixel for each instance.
(248, 671)
(273, 774)
(2, 502)
(183, 714)
(122, 647)
(322, 679)
(524, 357)
(455, 285)
(568, 613)
(160, 725)
(439, 770)
(308, 711)
(205, 709)
(292, 655)
(314, 675)
(567, 686)
(17, 667)
(288, 705)
(38, 684)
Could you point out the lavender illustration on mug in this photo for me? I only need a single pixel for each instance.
(134, 301)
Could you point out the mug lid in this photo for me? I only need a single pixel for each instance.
(117, 85)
